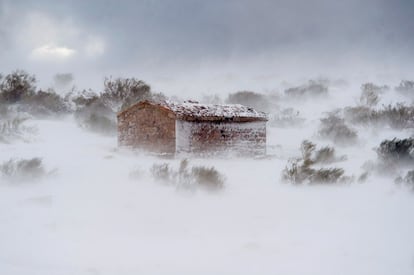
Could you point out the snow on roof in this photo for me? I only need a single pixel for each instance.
(194, 111)
(197, 111)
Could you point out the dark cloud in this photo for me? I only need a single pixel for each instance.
(155, 33)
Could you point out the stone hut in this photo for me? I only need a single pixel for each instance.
(170, 127)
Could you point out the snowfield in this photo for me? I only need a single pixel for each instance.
(91, 215)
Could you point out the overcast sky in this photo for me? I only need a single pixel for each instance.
(162, 41)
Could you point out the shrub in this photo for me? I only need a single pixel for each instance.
(45, 103)
(16, 86)
(120, 93)
(12, 128)
(406, 87)
(408, 180)
(401, 150)
(97, 117)
(301, 170)
(312, 88)
(397, 116)
(207, 178)
(370, 95)
(23, 170)
(162, 172)
(334, 128)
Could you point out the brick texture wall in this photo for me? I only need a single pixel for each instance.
(241, 138)
(148, 127)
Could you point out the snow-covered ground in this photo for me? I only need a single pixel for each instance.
(90, 216)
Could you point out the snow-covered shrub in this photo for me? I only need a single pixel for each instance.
(11, 129)
(207, 178)
(396, 150)
(45, 103)
(22, 170)
(13, 126)
(312, 88)
(18, 89)
(97, 117)
(370, 94)
(408, 180)
(17, 86)
(162, 172)
(301, 170)
(98, 112)
(406, 87)
(334, 128)
(397, 116)
(120, 93)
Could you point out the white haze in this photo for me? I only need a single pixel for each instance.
(90, 216)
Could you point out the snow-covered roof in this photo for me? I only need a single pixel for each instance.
(192, 111)
(197, 111)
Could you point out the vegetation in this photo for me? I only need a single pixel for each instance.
(19, 88)
(12, 129)
(96, 116)
(207, 178)
(334, 128)
(95, 112)
(301, 170)
(408, 180)
(397, 116)
(312, 88)
(22, 170)
(406, 87)
(120, 93)
(370, 95)
(397, 150)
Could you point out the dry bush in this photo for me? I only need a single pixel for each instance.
(286, 118)
(11, 129)
(370, 94)
(162, 172)
(95, 116)
(12, 126)
(120, 93)
(408, 180)
(399, 116)
(406, 87)
(207, 178)
(45, 103)
(334, 128)
(300, 170)
(396, 150)
(98, 112)
(18, 89)
(314, 88)
(22, 170)
(16, 86)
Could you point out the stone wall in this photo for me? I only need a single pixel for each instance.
(147, 126)
(241, 138)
